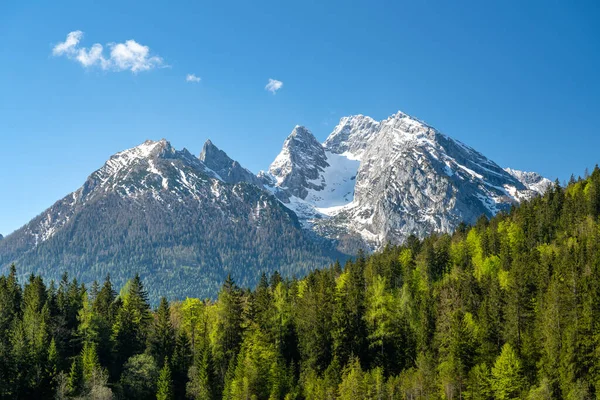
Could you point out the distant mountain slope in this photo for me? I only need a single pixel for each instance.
(167, 215)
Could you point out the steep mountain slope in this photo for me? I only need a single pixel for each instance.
(166, 214)
(379, 182)
(227, 170)
(352, 135)
(301, 161)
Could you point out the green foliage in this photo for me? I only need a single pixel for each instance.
(89, 361)
(507, 309)
(75, 381)
(164, 385)
(507, 375)
(131, 323)
(139, 378)
(161, 337)
(353, 382)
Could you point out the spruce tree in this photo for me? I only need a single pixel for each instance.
(507, 375)
(229, 326)
(165, 384)
(161, 336)
(131, 324)
(75, 380)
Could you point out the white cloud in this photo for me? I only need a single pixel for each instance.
(192, 78)
(130, 55)
(274, 85)
(87, 58)
(69, 45)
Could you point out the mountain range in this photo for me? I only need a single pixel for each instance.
(185, 222)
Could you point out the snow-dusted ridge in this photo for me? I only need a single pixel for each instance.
(532, 180)
(369, 183)
(380, 181)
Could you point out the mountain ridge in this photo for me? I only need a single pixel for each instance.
(163, 213)
(370, 183)
(369, 153)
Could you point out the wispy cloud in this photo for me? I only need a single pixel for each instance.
(192, 78)
(274, 85)
(127, 56)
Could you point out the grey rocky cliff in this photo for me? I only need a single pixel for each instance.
(409, 179)
(352, 135)
(532, 180)
(298, 166)
(227, 169)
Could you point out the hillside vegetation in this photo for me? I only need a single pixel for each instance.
(506, 309)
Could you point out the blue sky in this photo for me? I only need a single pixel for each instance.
(516, 80)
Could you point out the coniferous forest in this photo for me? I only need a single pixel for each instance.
(506, 309)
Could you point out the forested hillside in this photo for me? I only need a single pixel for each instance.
(182, 233)
(506, 309)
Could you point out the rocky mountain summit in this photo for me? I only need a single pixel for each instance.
(378, 182)
(226, 169)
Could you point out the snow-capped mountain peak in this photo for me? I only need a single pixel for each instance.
(352, 135)
(368, 184)
(300, 163)
(382, 181)
(163, 213)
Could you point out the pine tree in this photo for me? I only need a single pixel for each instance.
(201, 377)
(352, 385)
(89, 361)
(52, 367)
(161, 337)
(507, 376)
(165, 384)
(132, 321)
(36, 324)
(180, 364)
(75, 380)
(229, 326)
(105, 309)
(349, 330)
(10, 314)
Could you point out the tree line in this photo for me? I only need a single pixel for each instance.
(506, 309)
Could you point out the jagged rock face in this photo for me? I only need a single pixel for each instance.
(414, 180)
(352, 135)
(408, 178)
(228, 170)
(301, 161)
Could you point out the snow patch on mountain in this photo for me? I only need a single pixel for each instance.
(532, 180)
(381, 181)
(337, 182)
